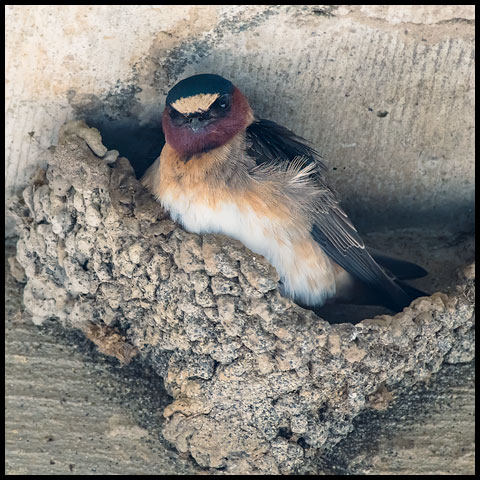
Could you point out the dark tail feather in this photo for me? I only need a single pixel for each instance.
(412, 292)
(394, 294)
(401, 269)
(398, 297)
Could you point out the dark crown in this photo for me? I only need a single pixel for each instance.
(203, 83)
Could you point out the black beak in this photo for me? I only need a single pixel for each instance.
(197, 122)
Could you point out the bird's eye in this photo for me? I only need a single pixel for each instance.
(223, 102)
(176, 117)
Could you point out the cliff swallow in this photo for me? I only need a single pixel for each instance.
(224, 171)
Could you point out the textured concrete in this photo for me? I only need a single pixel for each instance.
(386, 93)
(258, 383)
(428, 430)
(70, 410)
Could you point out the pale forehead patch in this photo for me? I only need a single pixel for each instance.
(196, 103)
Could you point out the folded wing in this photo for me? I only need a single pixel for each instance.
(331, 228)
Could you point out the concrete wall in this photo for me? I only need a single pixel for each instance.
(386, 93)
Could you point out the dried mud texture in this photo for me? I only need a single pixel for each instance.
(259, 384)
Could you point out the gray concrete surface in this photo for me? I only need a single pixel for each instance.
(386, 93)
(72, 411)
(429, 430)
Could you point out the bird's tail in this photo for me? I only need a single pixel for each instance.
(399, 293)
(401, 269)
(412, 292)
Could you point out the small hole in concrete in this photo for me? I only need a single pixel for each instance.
(285, 432)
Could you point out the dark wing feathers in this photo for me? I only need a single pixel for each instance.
(269, 142)
(341, 242)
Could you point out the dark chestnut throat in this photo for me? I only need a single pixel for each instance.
(188, 142)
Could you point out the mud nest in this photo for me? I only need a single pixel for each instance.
(258, 383)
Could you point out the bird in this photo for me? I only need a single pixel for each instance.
(223, 170)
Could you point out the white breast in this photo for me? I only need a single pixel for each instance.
(308, 280)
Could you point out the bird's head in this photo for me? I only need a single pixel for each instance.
(203, 112)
